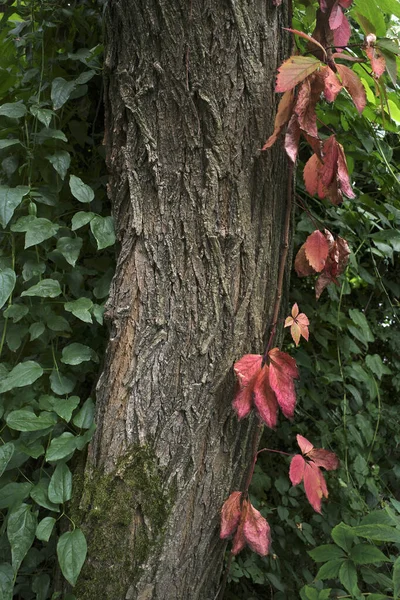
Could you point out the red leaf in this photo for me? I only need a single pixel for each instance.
(312, 175)
(336, 16)
(317, 249)
(292, 138)
(230, 514)
(304, 444)
(257, 531)
(324, 458)
(246, 367)
(342, 34)
(264, 398)
(343, 254)
(345, 3)
(283, 115)
(378, 62)
(307, 98)
(354, 86)
(343, 174)
(296, 471)
(239, 541)
(332, 85)
(294, 70)
(330, 161)
(312, 486)
(243, 402)
(301, 264)
(306, 37)
(282, 371)
(322, 282)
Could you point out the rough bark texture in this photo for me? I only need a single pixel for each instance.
(199, 214)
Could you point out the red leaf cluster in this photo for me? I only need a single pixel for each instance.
(266, 386)
(378, 62)
(298, 324)
(306, 468)
(239, 517)
(326, 173)
(321, 253)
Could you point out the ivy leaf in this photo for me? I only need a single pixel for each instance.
(36, 330)
(44, 115)
(330, 570)
(70, 248)
(76, 353)
(21, 375)
(103, 231)
(41, 585)
(10, 198)
(7, 283)
(61, 384)
(49, 134)
(326, 552)
(61, 447)
(44, 529)
(60, 486)
(6, 581)
(71, 552)
(61, 91)
(294, 70)
(396, 577)
(364, 554)
(13, 110)
(39, 230)
(6, 452)
(63, 407)
(16, 312)
(21, 529)
(80, 308)
(343, 536)
(80, 190)
(378, 532)
(40, 495)
(80, 219)
(25, 420)
(12, 494)
(84, 418)
(61, 161)
(47, 288)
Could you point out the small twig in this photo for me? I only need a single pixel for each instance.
(277, 451)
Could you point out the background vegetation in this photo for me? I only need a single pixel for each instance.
(56, 264)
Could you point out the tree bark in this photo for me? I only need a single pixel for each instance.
(199, 215)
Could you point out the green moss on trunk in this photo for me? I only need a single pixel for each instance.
(123, 515)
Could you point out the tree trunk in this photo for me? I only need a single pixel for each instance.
(199, 215)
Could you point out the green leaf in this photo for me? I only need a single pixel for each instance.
(23, 374)
(61, 91)
(44, 529)
(6, 581)
(348, 576)
(80, 190)
(76, 353)
(61, 161)
(10, 198)
(343, 536)
(21, 529)
(80, 308)
(7, 283)
(375, 364)
(25, 420)
(60, 487)
(396, 577)
(47, 288)
(61, 447)
(364, 554)
(103, 231)
(39, 230)
(61, 384)
(6, 452)
(80, 219)
(13, 110)
(36, 330)
(84, 418)
(49, 134)
(57, 323)
(16, 312)
(330, 570)
(379, 533)
(70, 248)
(39, 493)
(13, 494)
(85, 77)
(41, 585)
(8, 143)
(326, 552)
(71, 552)
(32, 269)
(44, 115)
(63, 407)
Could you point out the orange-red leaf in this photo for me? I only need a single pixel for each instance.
(343, 174)
(301, 264)
(294, 70)
(304, 445)
(230, 514)
(282, 372)
(332, 85)
(342, 34)
(316, 249)
(292, 138)
(378, 62)
(283, 115)
(354, 86)
(324, 458)
(264, 398)
(314, 486)
(246, 367)
(298, 324)
(312, 175)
